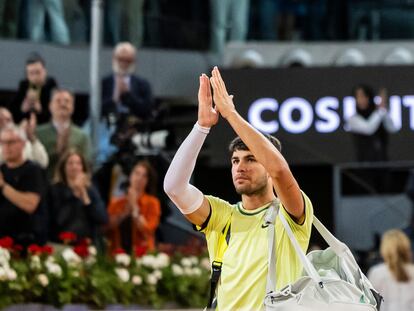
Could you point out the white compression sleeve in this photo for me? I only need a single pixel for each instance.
(177, 180)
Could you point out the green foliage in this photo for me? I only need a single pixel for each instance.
(152, 280)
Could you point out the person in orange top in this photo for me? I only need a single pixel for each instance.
(134, 217)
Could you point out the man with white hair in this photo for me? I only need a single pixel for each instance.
(21, 187)
(124, 93)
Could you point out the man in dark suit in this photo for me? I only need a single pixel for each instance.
(127, 108)
(124, 93)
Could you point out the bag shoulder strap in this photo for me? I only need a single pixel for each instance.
(269, 221)
(310, 269)
(217, 263)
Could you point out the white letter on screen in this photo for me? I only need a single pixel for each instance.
(305, 119)
(395, 111)
(326, 108)
(408, 102)
(256, 109)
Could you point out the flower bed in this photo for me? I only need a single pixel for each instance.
(78, 275)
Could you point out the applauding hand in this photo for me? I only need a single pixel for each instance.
(207, 115)
(223, 101)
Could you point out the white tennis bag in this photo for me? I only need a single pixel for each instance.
(331, 279)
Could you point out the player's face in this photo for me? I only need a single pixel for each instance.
(249, 176)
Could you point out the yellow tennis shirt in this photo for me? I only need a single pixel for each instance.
(242, 283)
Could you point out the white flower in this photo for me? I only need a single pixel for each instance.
(4, 254)
(136, 280)
(3, 274)
(43, 279)
(188, 271)
(90, 260)
(71, 257)
(196, 271)
(148, 261)
(92, 250)
(50, 259)
(157, 274)
(35, 262)
(138, 262)
(162, 260)
(4, 262)
(54, 269)
(194, 260)
(11, 274)
(123, 259)
(177, 270)
(205, 263)
(75, 274)
(152, 279)
(186, 262)
(123, 274)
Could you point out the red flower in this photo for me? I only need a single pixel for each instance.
(47, 249)
(34, 249)
(81, 250)
(85, 242)
(140, 251)
(119, 250)
(67, 237)
(6, 242)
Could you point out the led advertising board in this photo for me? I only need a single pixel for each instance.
(307, 109)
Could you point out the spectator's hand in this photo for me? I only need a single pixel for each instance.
(132, 196)
(29, 126)
(31, 101)
(80, 188)
(122, 86)
(223, 101)
(141, 222)
(62, 141)
(207, 115)
(37, 107)
(384, 98)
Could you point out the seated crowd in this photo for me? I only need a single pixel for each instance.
(46, 177)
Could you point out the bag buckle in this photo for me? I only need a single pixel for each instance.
(216, 265)
(286, 291)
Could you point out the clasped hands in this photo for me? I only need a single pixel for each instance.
(211, 90)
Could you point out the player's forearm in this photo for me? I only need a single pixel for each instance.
(177, 179)
(263, 150)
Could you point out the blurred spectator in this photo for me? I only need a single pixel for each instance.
(134, 217)
(124, 93)
(133, 16)
(394, 279)
(60, 133)
(237, 11)
(127, 102)
(111, 20)
(51, 10)
(33, 95)
(9, 17)
(269, 11)
(76, 21)
(33, 149)
(21, 187)
(370, 125)
(74, 205)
